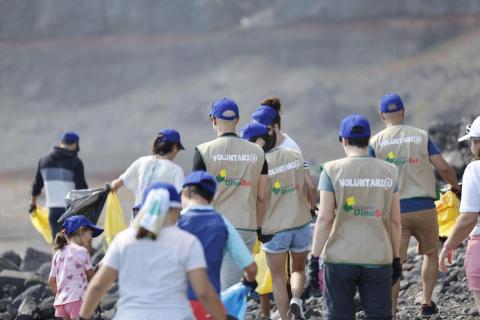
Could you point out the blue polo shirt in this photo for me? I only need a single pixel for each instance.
(217, 235)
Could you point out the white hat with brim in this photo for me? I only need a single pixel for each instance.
(472, 131)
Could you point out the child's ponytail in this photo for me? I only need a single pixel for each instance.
(60, 240)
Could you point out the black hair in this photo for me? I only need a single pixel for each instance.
(162, 147)
(198, 190)
(357, 142)
(144, 233)
(270, 141)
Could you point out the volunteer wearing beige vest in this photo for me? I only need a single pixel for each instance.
(358, 228)
(269, 114)
(286, 219)
(411, 150)
(241, 172)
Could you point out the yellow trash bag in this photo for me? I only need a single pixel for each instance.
(39, 219)
(264, 279)
(114, 220)
(447, 212)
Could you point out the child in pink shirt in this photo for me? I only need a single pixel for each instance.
(71, 265)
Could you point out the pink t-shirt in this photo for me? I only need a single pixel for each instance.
(69, 267)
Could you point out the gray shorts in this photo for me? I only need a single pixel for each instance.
(374, 286)
(295, 240)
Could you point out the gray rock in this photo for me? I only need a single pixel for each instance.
(5, 316)
(108, 314)
(27, 309)
(3, 304)
(18, 279)
(34, 259)
(44, 270)
(13, 257)
(46, 309)
(36, 292)
(6, 264)
(109, 301)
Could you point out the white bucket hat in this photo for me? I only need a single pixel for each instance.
(473, 130)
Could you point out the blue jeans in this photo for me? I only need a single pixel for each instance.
(53, 215)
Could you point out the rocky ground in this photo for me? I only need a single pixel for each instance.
(25, 293)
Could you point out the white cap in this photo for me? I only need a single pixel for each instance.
(473, 130)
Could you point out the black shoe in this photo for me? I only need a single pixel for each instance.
(428, 310)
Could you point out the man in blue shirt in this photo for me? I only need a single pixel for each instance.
(413, 153)
(214, 231)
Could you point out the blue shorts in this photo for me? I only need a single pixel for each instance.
(295, 240)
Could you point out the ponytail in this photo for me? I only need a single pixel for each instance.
(60, 240)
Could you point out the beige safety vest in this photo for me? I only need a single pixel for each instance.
(237, 165)
(364, 189)
(288, 202)
(407, 148)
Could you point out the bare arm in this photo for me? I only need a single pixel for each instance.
(96, 290)
(261, 199)
(445, 170)
(462, 228)
(311, 188)
(116, 184)
(324, 222)
(395, 224)
(250, 272)
(206, 293)
(53, 284)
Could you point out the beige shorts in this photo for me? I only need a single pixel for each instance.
(423, 225)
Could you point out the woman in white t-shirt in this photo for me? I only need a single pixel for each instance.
(469, 222)
(154, 260)
(158, 167)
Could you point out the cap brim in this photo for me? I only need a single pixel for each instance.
(181, 146)
(465, 137)
(96, 231)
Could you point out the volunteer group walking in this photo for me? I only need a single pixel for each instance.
(192, 237)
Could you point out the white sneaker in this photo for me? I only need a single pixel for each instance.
(296, 309)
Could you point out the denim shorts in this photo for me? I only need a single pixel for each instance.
(295, 240)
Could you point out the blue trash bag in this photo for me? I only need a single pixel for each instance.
(235, 300)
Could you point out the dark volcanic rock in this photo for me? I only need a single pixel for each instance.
(34, 259)
(36, 292)
(27, 309)
(44, 270)
(13, 257)
(6, 264)
(18, 279)
(46, 309)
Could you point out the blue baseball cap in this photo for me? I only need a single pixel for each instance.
(391, 102)
(73, 223)
(264, 115)
(71, 137)
(253, 130)
(174, 196)
(225, 109)
(171, 135)
(354, 120)
(202, 179)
